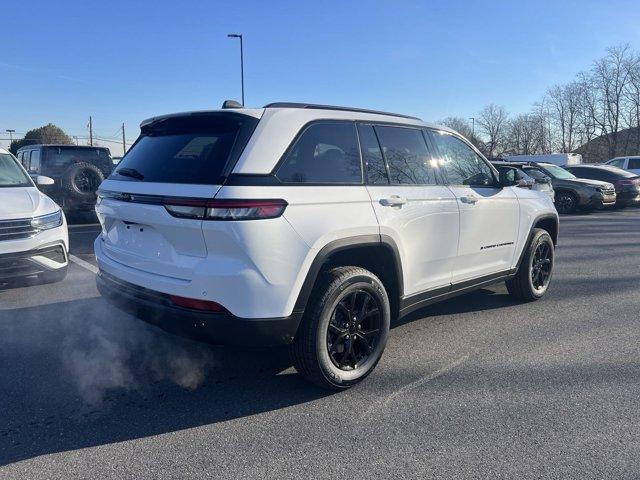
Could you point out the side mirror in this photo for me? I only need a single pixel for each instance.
(507, 176)
(41, 180)
(526, 183)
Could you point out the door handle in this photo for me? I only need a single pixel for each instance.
(469, 199)
(393, 201)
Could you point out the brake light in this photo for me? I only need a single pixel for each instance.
(196, 304)
(209, 209)
(622, 183)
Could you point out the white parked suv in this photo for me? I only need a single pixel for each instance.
(33, 231)
(311, 226)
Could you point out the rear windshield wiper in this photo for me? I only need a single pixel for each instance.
(130, 172)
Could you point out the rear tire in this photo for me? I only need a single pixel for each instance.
(534, 274)
(344, 329)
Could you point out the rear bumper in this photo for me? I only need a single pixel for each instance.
(45, 258)
(218, 328)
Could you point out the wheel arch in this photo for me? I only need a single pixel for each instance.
(548, 222)
(377, 253)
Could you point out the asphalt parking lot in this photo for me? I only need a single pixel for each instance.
(477, 387)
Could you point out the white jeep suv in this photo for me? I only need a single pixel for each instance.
(311, 226)
(33, 232)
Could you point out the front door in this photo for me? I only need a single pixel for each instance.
(489, 214)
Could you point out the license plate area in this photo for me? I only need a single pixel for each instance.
(138, 239)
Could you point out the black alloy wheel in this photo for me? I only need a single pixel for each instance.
(566, 202)
(354, 329)
(541, 266)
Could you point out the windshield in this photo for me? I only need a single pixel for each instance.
(194, 149)
(11, 175)
(559, 172)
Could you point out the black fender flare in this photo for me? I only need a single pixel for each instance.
(341, 244)
(536, 220)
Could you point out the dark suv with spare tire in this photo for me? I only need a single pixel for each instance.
(77, 172)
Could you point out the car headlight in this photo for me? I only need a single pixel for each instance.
(46, 222)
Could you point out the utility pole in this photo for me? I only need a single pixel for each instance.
(90, 131)
(10, 131)
(124, 142)
(473, 126)
(237, 35)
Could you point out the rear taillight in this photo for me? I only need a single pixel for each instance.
(224, 209)
(625, 183)
(196, 304)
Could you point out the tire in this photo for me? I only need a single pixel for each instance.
(566, 202)
(53, 276)
(80, 181)
(522, 285)
(328, 344)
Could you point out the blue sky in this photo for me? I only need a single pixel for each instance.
(124, 61)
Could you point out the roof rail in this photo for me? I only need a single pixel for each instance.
(333, 107)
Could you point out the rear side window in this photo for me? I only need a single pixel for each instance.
(405, 151)
(194, 149)
(619, 162)
(34, 165)
(463, 166)
(375, 169)
(323, 153)
(634, 163)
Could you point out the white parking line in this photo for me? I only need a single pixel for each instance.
(84, 264)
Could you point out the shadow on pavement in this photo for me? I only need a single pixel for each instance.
(90, 376)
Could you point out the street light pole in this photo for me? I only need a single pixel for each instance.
(237, 35)
(10, 132)
(473, 126)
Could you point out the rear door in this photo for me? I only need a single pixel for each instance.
(152, 205)
(489, 214)
(412, 205)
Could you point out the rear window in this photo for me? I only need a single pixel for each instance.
(195, 149)
(61, 156)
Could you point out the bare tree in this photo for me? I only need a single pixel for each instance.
(610, 79)
(525, 135)
(463, 127)
(564, 107)
(632, 95)
(493, 121)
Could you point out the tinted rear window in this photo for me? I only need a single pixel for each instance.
(196, 149)
(66, 155)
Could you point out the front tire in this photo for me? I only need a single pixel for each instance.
(344, 330)
(566, 202)
(534, 274)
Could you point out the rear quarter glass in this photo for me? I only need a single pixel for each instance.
(190, 149)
